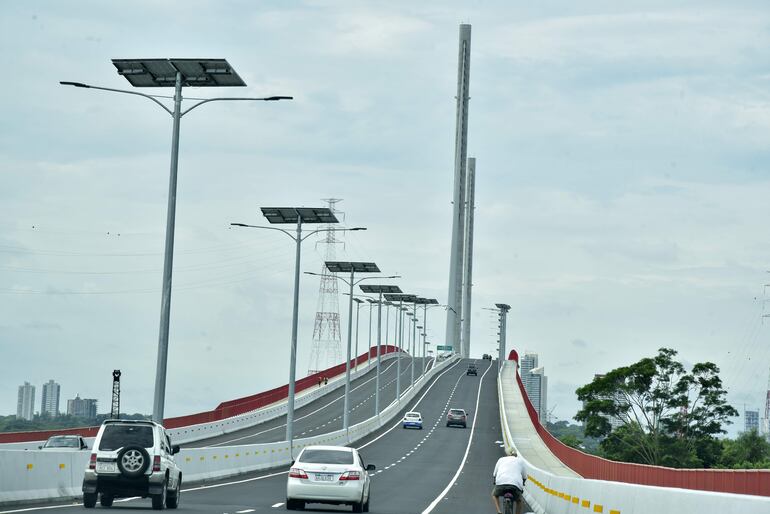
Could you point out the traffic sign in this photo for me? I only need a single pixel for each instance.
(445, 348)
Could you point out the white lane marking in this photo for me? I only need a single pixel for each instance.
(249, 510)
(277, 505)
(413, 407)
(301, 417)
(440, 417)
(452, 482)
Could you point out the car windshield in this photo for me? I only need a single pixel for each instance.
(326, 457)
(120, 436)
(457, 411)
(62, 442)
(412, 415)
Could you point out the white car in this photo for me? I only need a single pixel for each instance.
(412, 420)
(329, 474)
(132, 458)
(64, 443)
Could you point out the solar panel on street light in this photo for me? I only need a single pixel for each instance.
(407, 298)
(380, 288)
(354, 267)
(426, 301)
(162, 72)
(291, 214)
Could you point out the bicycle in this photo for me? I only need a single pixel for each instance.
(508, 504)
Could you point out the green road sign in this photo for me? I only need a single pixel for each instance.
(444, 348)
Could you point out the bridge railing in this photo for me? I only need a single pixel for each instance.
(547, 492)
(756, 482)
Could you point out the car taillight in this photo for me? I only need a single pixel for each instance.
(297, 473)
(350, 475)
(156, 463)
(92, 462)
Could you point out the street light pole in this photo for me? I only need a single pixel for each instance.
(379, 289)
(358, 317)
(180, 72)
(298, 215)
(370, 333)
(345, 413)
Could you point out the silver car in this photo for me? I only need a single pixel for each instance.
(132, 458)
(65, 443)
(329, 474)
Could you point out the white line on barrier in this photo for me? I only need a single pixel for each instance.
(467, 450)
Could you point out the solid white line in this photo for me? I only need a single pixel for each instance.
(467, 449)
(398, 423)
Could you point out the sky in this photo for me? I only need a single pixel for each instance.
(621, 189)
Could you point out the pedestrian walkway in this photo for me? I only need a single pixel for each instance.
(525, 438)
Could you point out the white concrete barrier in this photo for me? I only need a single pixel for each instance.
(36, 475)
(548, 493)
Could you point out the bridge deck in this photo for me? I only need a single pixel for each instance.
(525, 437)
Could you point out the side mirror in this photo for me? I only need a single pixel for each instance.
(39, 447)
(292, 463)
(175, 449)
(370, 467)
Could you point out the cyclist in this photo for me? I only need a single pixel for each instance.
(510, 475)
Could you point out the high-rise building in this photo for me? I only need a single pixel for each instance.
(528, 363)
(82, 407)
(25, 406)
(615, 422)
(751, 420)
(50, 399)
(538, 393)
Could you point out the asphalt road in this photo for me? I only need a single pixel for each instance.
(325, 414)
(437, 469)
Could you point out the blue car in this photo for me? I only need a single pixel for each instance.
(412, 420)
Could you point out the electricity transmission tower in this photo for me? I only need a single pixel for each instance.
(326, 350)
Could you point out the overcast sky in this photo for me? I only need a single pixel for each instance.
(622, 185)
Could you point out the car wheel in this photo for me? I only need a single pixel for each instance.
(447, 424)
(105, 500)
(89, 500)
(172, 500)
(368, 499)
(133, 461)
(159, 500)
(359, 506)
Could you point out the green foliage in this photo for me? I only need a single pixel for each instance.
(667, 416)
(574, 436)
(749, 451)
(47, 422)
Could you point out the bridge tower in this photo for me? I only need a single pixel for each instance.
(454, 313)
(326, 350)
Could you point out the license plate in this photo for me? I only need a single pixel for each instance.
(324, 477)
(106, 467)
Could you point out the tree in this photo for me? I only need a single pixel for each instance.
(749, 450)
(664, 414)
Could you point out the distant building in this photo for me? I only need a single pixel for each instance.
(528, 363)
(50, 400)
(82, 407)
(538, 393)
(615, 422)
(751, 420)
(25, 406)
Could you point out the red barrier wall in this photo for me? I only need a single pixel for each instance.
(740, 481)
(223, 410)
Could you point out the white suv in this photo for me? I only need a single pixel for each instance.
(132, 458)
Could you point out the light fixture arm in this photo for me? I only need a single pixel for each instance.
(87, 86)
(263, 99)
